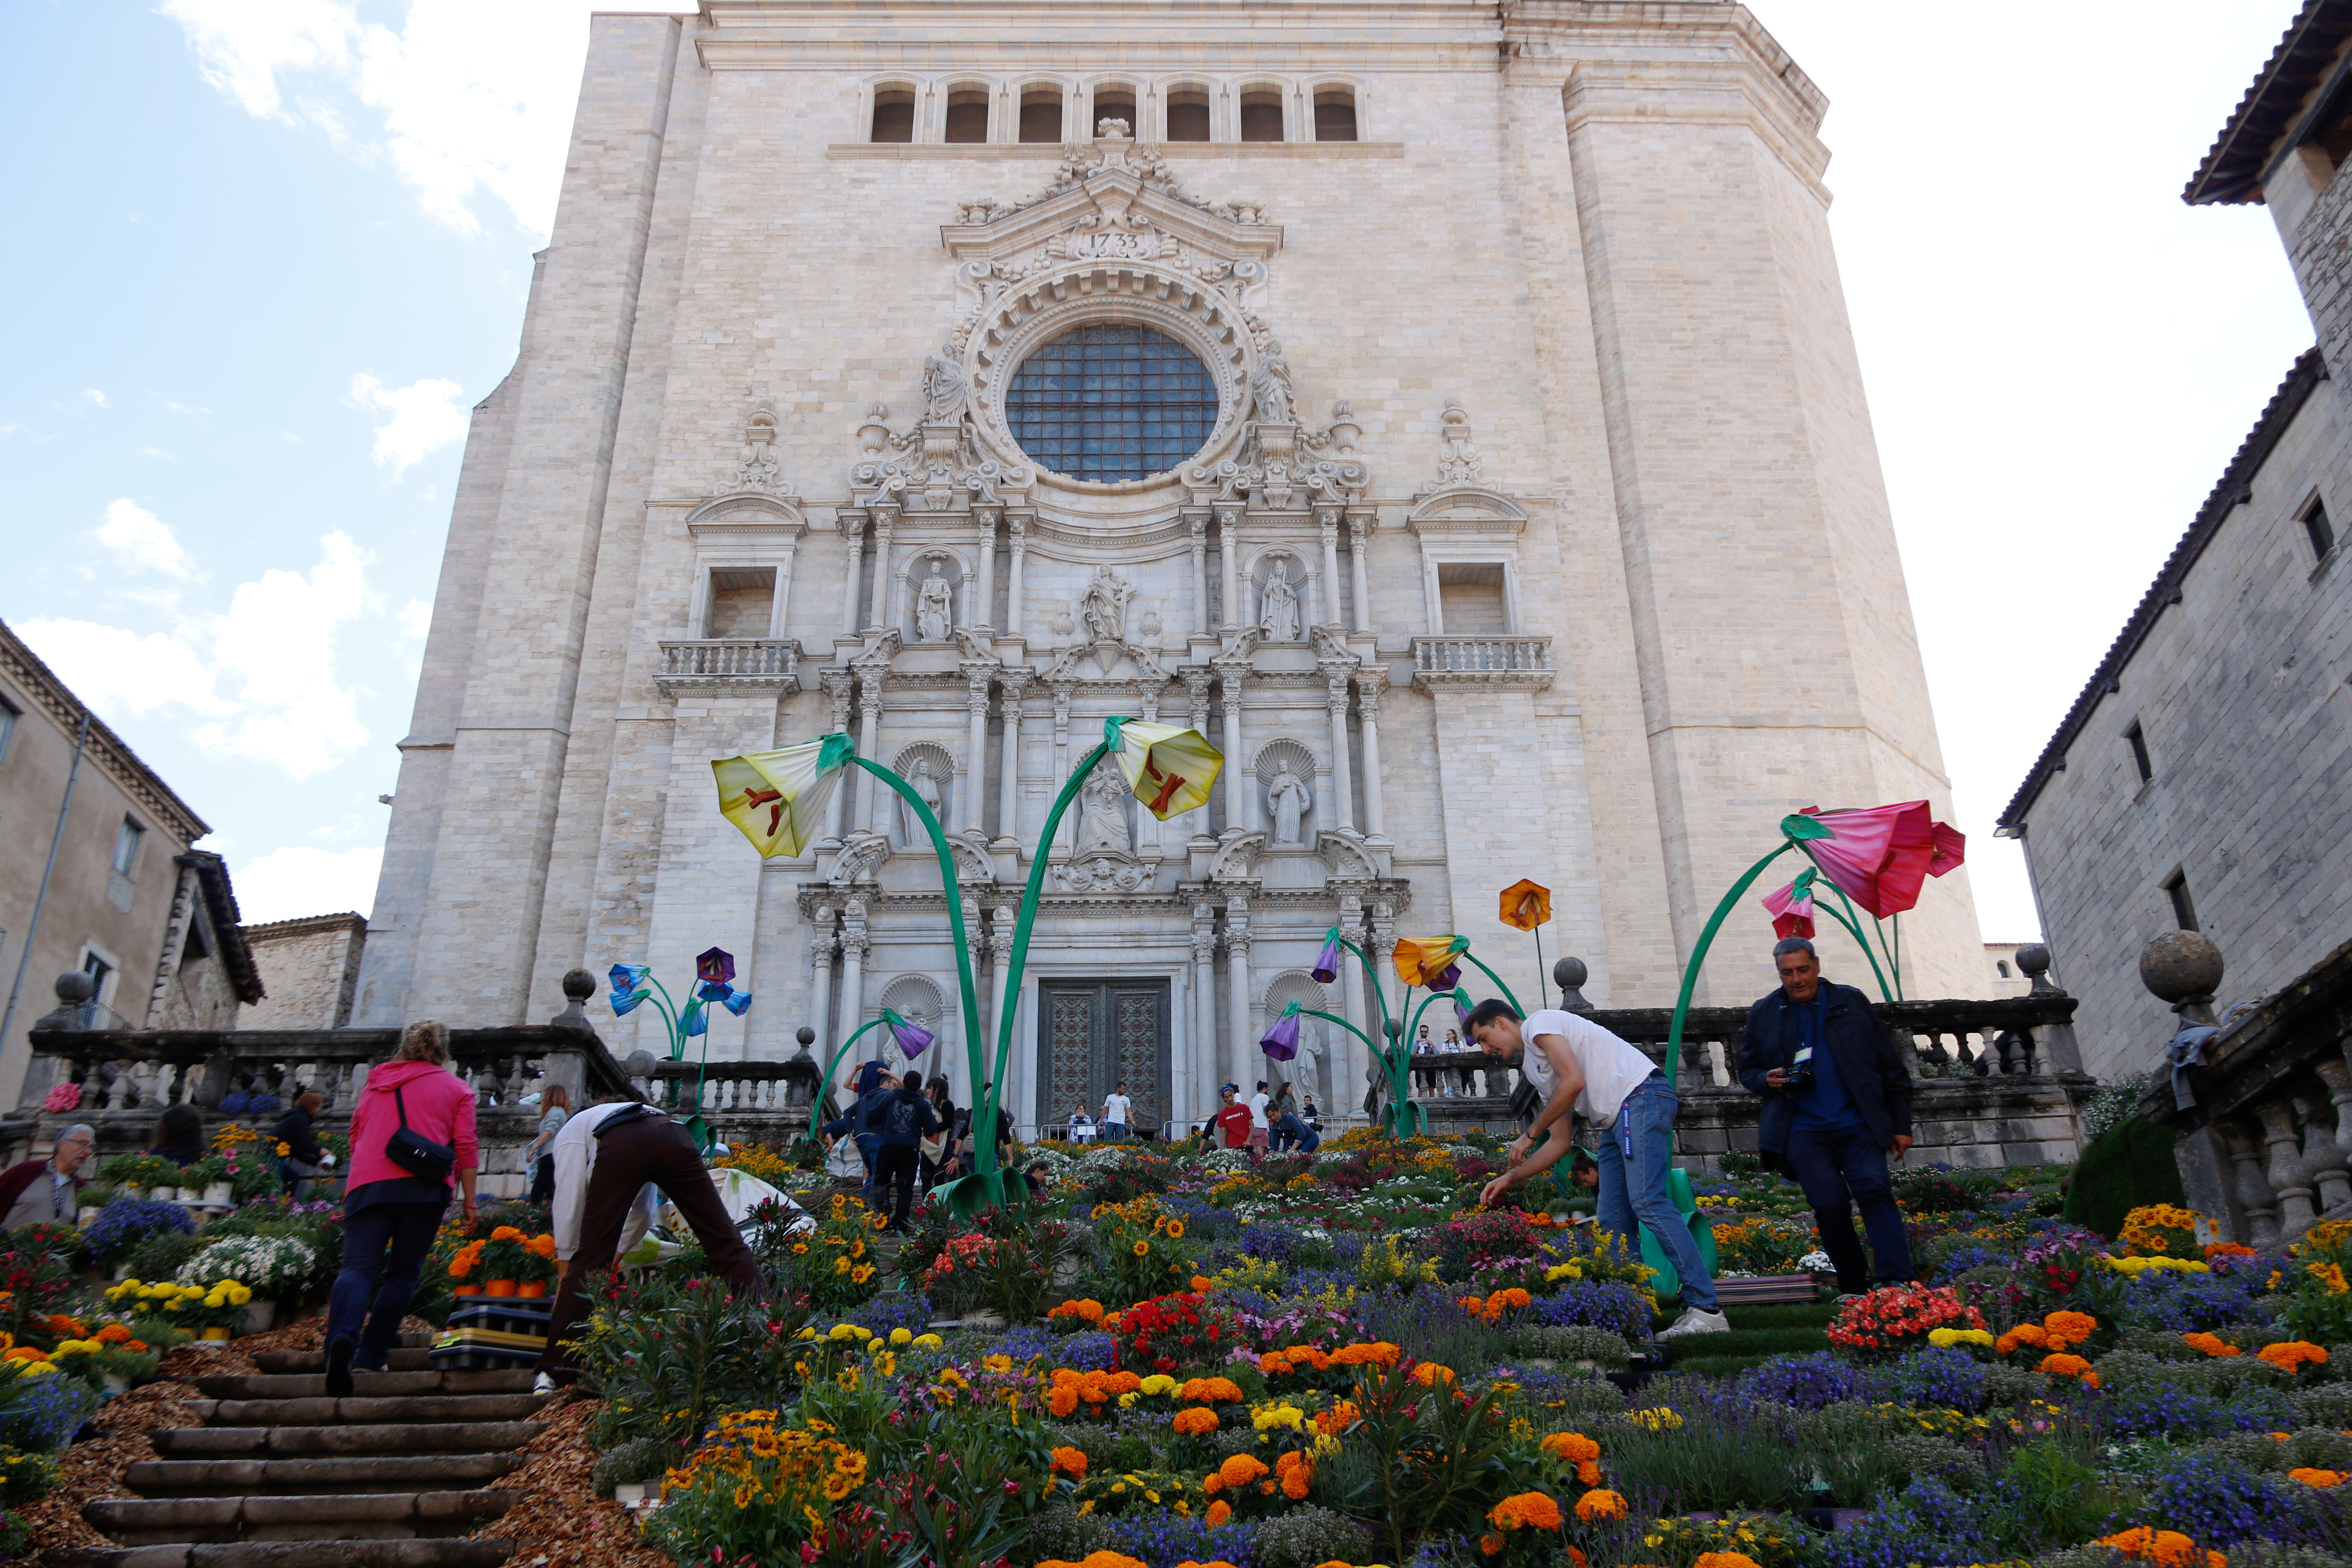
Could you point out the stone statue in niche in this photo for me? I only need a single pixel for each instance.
(1104, 606)
(945, 389)
(1102, 812)
(1286, 799)
(927, 785)
(1278, 602)
(1270, 386)
(934, 607)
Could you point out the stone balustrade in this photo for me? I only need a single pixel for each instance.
(729, 664)
(1482, 661)
(2256, 1102)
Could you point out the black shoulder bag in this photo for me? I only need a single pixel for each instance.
(414, 1153)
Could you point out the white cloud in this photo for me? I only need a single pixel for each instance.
(415, 619)
(461, 100)
(286, 884)
(261, 676)
(159, 454)
(97, 397)
(415, 421)
(140, 542)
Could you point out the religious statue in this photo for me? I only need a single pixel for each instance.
(1286, 799)
(934, 608)
(927, 785)
(1270, 386)
(945, 388)
(1278, 603)
(1104, 606)
(1102, 812)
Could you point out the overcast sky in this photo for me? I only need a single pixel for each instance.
(271, 250)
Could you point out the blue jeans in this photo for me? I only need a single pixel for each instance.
(1635, 1154)
(375, 1288)
(1841, 1169)
(869, 1147)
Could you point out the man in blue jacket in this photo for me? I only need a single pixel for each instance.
(1837, 1102)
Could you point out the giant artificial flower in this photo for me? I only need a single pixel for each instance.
(1883, 854)
(1792, 907)
(910, 1036)
(1327, 962)
(627, 981)
(1526, 905)
(778, 798)
(1168, 767)
(714, 966)
(1428, 961)
(1281, 1041)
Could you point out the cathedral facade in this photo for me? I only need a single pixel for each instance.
(1449, 410)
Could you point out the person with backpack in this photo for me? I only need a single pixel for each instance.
(861, 1123)
(412, 1139)
(906, 1119)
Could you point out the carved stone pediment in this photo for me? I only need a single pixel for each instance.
(1099, 871)
(861, 856)
(1347, 859)
(1124, 662)
(1236, 859)
(748, 516)
(1473, 509)
(973, 866)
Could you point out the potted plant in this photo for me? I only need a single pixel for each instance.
(269, 1268)
(538, 1266)
(503, 1261)
(140, 1173)
(464, 1266)
(90, 1201)
(211, 1313)
(125, 1222)
(208, 1179)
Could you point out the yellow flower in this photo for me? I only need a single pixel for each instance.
(1142, 1249)
(902, 1336)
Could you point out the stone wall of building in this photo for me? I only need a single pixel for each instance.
(311, 969)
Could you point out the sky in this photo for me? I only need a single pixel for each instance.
(273, 250)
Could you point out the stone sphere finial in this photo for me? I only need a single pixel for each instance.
(2180, 967)
(2033, 959)
(579, 986)
(805, 1036)
(1394, 1029)
(74, 988)
(1570, 974)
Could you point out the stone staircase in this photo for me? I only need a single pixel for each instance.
(279, 1475)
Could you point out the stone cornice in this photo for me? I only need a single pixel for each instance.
(24, 670)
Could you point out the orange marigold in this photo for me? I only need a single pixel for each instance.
(2211, 1344)
(1491, 1545)
(2076, 1326)
(114, 1335)
(2293, 1355)
(1724, 1560)
(1588, 1472)
(1343, 1415)
(1599, 1503)
(1241, 1469)
(2065, 1365)
(2315, 1478)
(1381, 1354)
(1206, 1390)
(1220, 1511)
(1071, 1462)
(1525, 1510)
(2166, 1548)
(1428, 1374)
(1194, 1423)
(1062, 1401)
(1573, 1446)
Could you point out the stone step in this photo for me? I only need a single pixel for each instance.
(366, 1384)
(417, 1553)
(389, 1437)
(364, 1408)
(418, 1357)
(366, 1516)
(216, 1477)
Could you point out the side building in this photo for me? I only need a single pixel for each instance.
(2203, 781)
(97, 877)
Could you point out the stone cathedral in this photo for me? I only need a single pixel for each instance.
(1448, 408)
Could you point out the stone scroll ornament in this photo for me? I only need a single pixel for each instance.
(1877, 857)
(778, 798)
(714, 973)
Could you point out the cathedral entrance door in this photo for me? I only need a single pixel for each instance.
(1098, 1034)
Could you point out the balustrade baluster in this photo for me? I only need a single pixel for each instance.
(2322, 1153)
(2290, 1177)
(2254, 1189)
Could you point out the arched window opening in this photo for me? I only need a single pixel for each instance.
(1335, 114)
(1188, 114)
(894, 114)
(967, 115)
(1110, 403)
(1041, 114)
(1115, 103)
(1262, 115)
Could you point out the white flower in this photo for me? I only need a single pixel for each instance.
(1815, 1261)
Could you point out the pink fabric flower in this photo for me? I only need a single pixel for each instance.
(1881, 855)
(1792, 912)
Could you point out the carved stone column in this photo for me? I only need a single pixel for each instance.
(975, 784)
(855, 942)
(2337, 1077)
(838, 685)
(1239, 794)
(1064, 692)
(1016, 613)
(1196, 695)
(822, 943)
(1371, 680)
(885, 520)
(1327, 522)
(1384, 941)
(1242, 1044)
(1000, 951)
(1199, 523)
(1229, 550)
(1347, 1062)
(869, 739)
(1014, 684)
(1195, 1088)
(1335, 700)
(2255, 1200)
(853, 534)
(982, 612)
(2322, 1153)
(2290, 1177)
(1360, 530)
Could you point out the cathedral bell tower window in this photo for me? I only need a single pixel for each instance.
(1111, 403)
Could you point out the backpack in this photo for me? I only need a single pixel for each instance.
(903, 1119)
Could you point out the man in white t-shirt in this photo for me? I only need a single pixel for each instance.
(1261, 1125)
(1575, 1064)
(1115, 1116)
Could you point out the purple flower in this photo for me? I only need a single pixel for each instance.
(1327, 962)
(1281, 1042)
(911, 1037)
(714, 966)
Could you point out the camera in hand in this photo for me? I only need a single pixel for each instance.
(1800, 1076)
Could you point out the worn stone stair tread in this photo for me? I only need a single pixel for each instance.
(364, 1409)
(433, 1553)
(166, 1477)
(413, 1354)
(393, 1437)
(366, 1384)
(140, 1521)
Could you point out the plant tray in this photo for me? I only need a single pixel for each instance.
(483, 1357)
(1802, 1288)
(504, 1316)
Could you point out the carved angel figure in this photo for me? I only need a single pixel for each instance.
(927, 785)
(1278, 605)
(1287, 798)
(1104, 606)
(1102, 813)
(934, 608)
(945, 389)
(1270, 386)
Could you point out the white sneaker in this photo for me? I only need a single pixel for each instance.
(1697, 1320)
(543, 1383)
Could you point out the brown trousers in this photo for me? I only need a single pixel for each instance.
(658, 1150)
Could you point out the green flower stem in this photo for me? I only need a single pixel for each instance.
(1372, 971)
(1334, 1018)
(816, 1104)
(1705, 941)
(1852, 923)
(1497, 979)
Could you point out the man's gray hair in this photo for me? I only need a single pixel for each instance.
(82, 1129)
(1788, 944)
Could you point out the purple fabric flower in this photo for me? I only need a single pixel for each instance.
(1281, 1042)
(1327, 962)
(911, 1037)
(714, 966)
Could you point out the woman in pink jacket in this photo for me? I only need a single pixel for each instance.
(390, 1215)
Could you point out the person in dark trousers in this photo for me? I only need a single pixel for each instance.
(1837, 1102)
(907, 1120)
(605, 1157)
(860, 1123)
(303, 1158)
(937, 1150)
